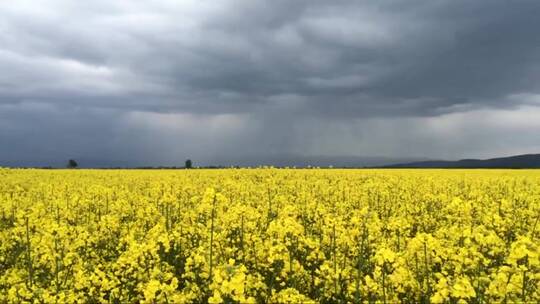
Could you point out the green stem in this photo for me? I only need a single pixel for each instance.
(334, 256)
(28, 254)
(242, 238)
(57, 265)
(212, 236)
(427, 271)
(384, 283)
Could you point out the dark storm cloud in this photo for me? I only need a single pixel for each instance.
(281, 72)
(364, 58)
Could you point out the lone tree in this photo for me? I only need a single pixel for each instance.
(72, 164)
(189, 164)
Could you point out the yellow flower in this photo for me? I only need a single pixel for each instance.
(462, 289)
(215, 298)
(269, 235)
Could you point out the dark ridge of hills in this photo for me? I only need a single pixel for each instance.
(304, 161)
(275, 160)
(526, 161)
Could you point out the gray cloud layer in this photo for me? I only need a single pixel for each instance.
(154, 82)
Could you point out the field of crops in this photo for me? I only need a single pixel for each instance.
(269, 235)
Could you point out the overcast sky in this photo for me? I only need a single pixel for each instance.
(156, 82)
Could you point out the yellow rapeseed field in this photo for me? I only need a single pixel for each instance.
(269, 235)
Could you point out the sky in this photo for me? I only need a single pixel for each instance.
(226, 82)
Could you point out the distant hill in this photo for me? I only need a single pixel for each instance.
(302, 161)
(512, 162)
(276, 160)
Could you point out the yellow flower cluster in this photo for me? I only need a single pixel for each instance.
(269, 235)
